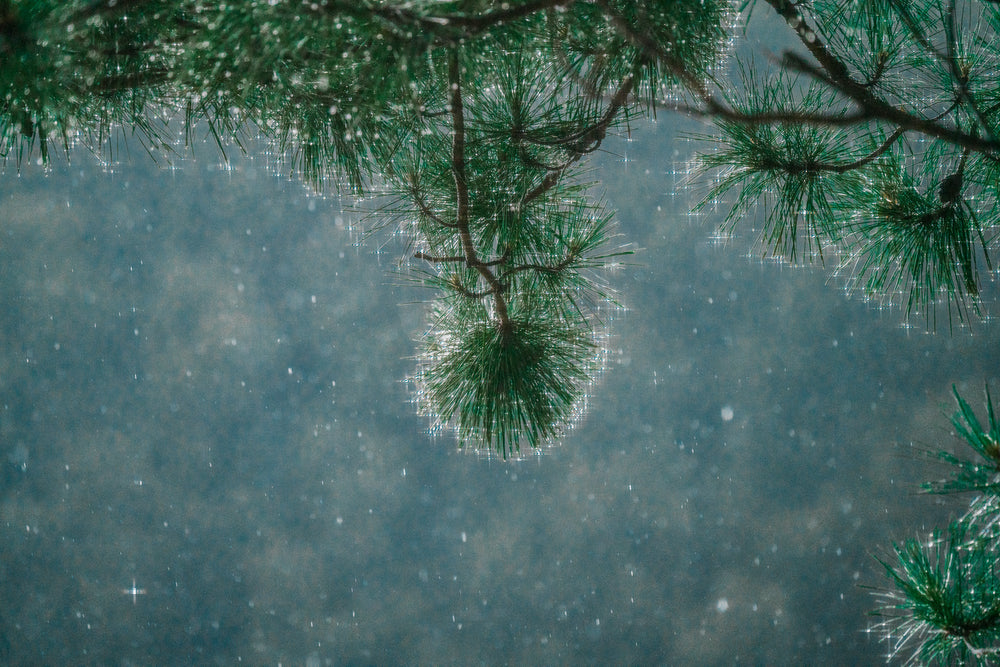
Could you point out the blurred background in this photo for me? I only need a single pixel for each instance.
(209, 454)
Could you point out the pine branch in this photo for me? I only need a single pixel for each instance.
(594, 135)
(943, 607)
(960, 75)
(981, 473)
(436, 259)
(448, 27)
(462, 194)
(422, 206)
(836, 74)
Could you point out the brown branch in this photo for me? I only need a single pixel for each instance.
(457, 285)
(427, 211)
(878, 152)
(478, 23)
(857, 164)
(596, 132)
(457, 258)
(837, 70)
(770, 117)
(833, 72)
(449, 27)
(541, 268)
(960, 77)
(462, 194)
(874, 108)
(438, 258)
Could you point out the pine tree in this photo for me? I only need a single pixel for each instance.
(871, 143)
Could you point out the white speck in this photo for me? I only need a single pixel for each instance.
(18, 457)
(722, 605)
(727, 413)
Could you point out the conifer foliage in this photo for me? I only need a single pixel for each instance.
(944, 607)
(876, 142)
(472, 118)
(872, 142)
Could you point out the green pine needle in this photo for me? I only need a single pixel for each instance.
(916, 244)
(500, 388)
(943, 608)
(982, 472)
(799, 175)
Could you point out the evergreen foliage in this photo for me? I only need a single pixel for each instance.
(881, 147)
(945, 604)
(981, 474)
(874, 142)
(471, 118)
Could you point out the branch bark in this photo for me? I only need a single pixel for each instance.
(472, 260)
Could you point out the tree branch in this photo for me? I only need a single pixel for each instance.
(832, 72)
(427, 211)
(438, 259)
(596, 133)
(835, 74)
(960, 77)
(541, 268)
(462, 193)
(449, 27)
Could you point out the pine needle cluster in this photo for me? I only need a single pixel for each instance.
(875, 142)
(511, 239)
(472, 119)
(944, 607)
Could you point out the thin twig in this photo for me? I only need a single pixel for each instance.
(427, 211)
(541, 268)
(438, 259)
(597, 132)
